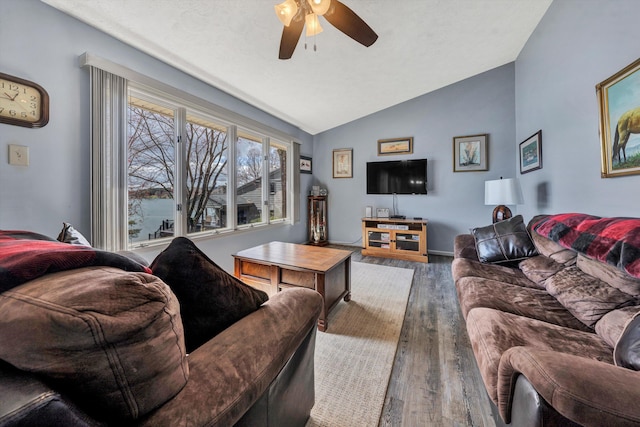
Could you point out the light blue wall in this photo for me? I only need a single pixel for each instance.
(56, 186)
(481, 104)
(551, 87)
(578, 44)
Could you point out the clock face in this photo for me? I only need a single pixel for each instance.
(22, 102)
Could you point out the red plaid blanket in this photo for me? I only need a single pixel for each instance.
(615, 241)
(25, 256)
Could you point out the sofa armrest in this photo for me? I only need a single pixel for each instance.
(586, 391)
(464, 246)
(231, 371)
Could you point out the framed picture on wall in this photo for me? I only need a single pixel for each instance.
(619, 105)
(470, 153)
(305, 164)
(531, 153)
(343, 163)
(395, 146)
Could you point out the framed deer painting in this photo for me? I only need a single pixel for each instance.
(619, 104)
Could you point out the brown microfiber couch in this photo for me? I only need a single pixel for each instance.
(99, 345)
(554, 330)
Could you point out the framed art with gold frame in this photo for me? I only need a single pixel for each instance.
(343, 163)
(395, 146)
(619, 107)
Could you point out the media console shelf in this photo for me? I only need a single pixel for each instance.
(404, 239)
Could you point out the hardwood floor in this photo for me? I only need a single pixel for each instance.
(435, 380)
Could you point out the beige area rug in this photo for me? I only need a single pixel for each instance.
(354, 357)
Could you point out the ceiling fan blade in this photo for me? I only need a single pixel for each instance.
(345, 20)
(290, 37)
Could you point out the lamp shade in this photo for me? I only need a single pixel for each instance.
(320, 7)
(502, 192)
(313, 25)
(286, 11)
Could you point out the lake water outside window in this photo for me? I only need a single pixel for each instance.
(151, 165)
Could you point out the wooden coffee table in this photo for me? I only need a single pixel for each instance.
(275, 266)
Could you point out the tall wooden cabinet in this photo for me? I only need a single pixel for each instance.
(318, 232)
(395, 238)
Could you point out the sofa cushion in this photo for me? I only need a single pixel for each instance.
(611, 325)
(539, 268)
(548, 247)
(609, 274)
(528, 302)
(587, 297)
(627, 349)
(111, 339)
(493, 332)
(464, 267)
(210, 298)
(504, 241)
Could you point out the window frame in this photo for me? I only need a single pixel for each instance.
(182, 110)
(109, 229)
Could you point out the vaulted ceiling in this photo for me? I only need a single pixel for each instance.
(423, 45)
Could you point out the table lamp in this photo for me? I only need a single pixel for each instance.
(502, 192)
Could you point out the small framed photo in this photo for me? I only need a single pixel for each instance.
(619, 107)
(531, 153)
(305, 164)
(395, 146)
(470, 153)
(343, 163)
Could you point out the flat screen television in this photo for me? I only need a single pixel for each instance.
(397, 177)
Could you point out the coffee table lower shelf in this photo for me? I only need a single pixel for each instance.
(275, 266)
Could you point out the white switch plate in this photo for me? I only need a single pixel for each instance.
(18, 155)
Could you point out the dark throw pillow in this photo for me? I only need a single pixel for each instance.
(210, 298)
(504, 241)
(627, 350)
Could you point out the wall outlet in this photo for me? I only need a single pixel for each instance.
(18, 155)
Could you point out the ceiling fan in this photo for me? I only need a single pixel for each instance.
(294, 14)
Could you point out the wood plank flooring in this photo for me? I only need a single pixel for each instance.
(435, 380)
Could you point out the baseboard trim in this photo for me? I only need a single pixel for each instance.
(443, 253)
(352, 244)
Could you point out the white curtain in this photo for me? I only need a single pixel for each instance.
(109, 230)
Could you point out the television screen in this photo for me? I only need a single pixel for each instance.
(397, 177)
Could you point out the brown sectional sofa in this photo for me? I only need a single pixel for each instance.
(100, 345)
(544, 330)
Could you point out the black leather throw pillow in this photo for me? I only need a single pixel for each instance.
(627, 350)
(504, 241)
(210, 298)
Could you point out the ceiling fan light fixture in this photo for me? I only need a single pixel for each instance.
(312, 24)
(320, 7)
(286, 11)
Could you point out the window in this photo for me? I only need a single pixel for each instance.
(249, 191)
(166, 163)
(155, 206)
(277, 181)
(207, 174)
(151, 162)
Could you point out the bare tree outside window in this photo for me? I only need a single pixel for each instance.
(151, 165)
(206, 177)
(152, 169)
